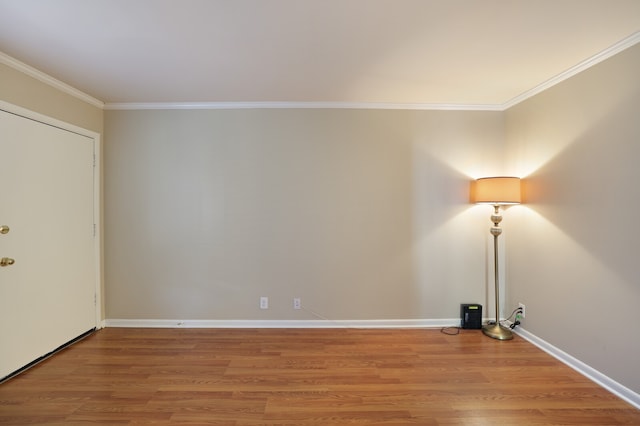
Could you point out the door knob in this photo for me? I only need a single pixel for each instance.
(6, 261)
(4, 229)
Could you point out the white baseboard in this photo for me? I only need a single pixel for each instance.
(611, 385)
(158, 323)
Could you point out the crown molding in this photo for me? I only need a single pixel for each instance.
(298, 105)
(47, 79)
(595, 59)
(582, 66)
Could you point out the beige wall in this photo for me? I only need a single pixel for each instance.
(363, 214)
(573, 249)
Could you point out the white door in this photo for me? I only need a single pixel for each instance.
(47, 296)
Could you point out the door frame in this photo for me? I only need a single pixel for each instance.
(97, 192)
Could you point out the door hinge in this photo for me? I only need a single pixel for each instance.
(94, 230)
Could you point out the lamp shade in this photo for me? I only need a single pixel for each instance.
(500, 190)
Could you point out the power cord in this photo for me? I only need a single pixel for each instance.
(518, 316)
(515, 311)
(516, 322)
(443, 330)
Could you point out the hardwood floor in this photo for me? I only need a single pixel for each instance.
(305, 377)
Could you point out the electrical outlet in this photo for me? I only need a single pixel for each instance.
(264, 302)
(523, 308)
(297, 303)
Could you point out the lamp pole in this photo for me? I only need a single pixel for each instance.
(496, 331)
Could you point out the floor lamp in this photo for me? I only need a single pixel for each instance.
(497, 191)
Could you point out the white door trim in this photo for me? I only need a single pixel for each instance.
(97, 189)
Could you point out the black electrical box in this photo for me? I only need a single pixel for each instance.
(470, 316)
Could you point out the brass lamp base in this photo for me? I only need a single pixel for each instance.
(497, 332)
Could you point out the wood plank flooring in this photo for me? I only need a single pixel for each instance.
(305, 377)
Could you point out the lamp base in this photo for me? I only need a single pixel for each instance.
(495, 331)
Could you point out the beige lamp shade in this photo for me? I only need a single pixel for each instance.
(500, 190)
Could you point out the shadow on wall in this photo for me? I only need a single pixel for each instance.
(449, 239)
(590, 190)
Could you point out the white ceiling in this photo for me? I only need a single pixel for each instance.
(420, 52)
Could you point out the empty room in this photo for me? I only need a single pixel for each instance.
(305, 212)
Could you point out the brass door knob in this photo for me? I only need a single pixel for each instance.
(4, 229)
(6, 261)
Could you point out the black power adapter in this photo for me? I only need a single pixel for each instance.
(470, 316)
